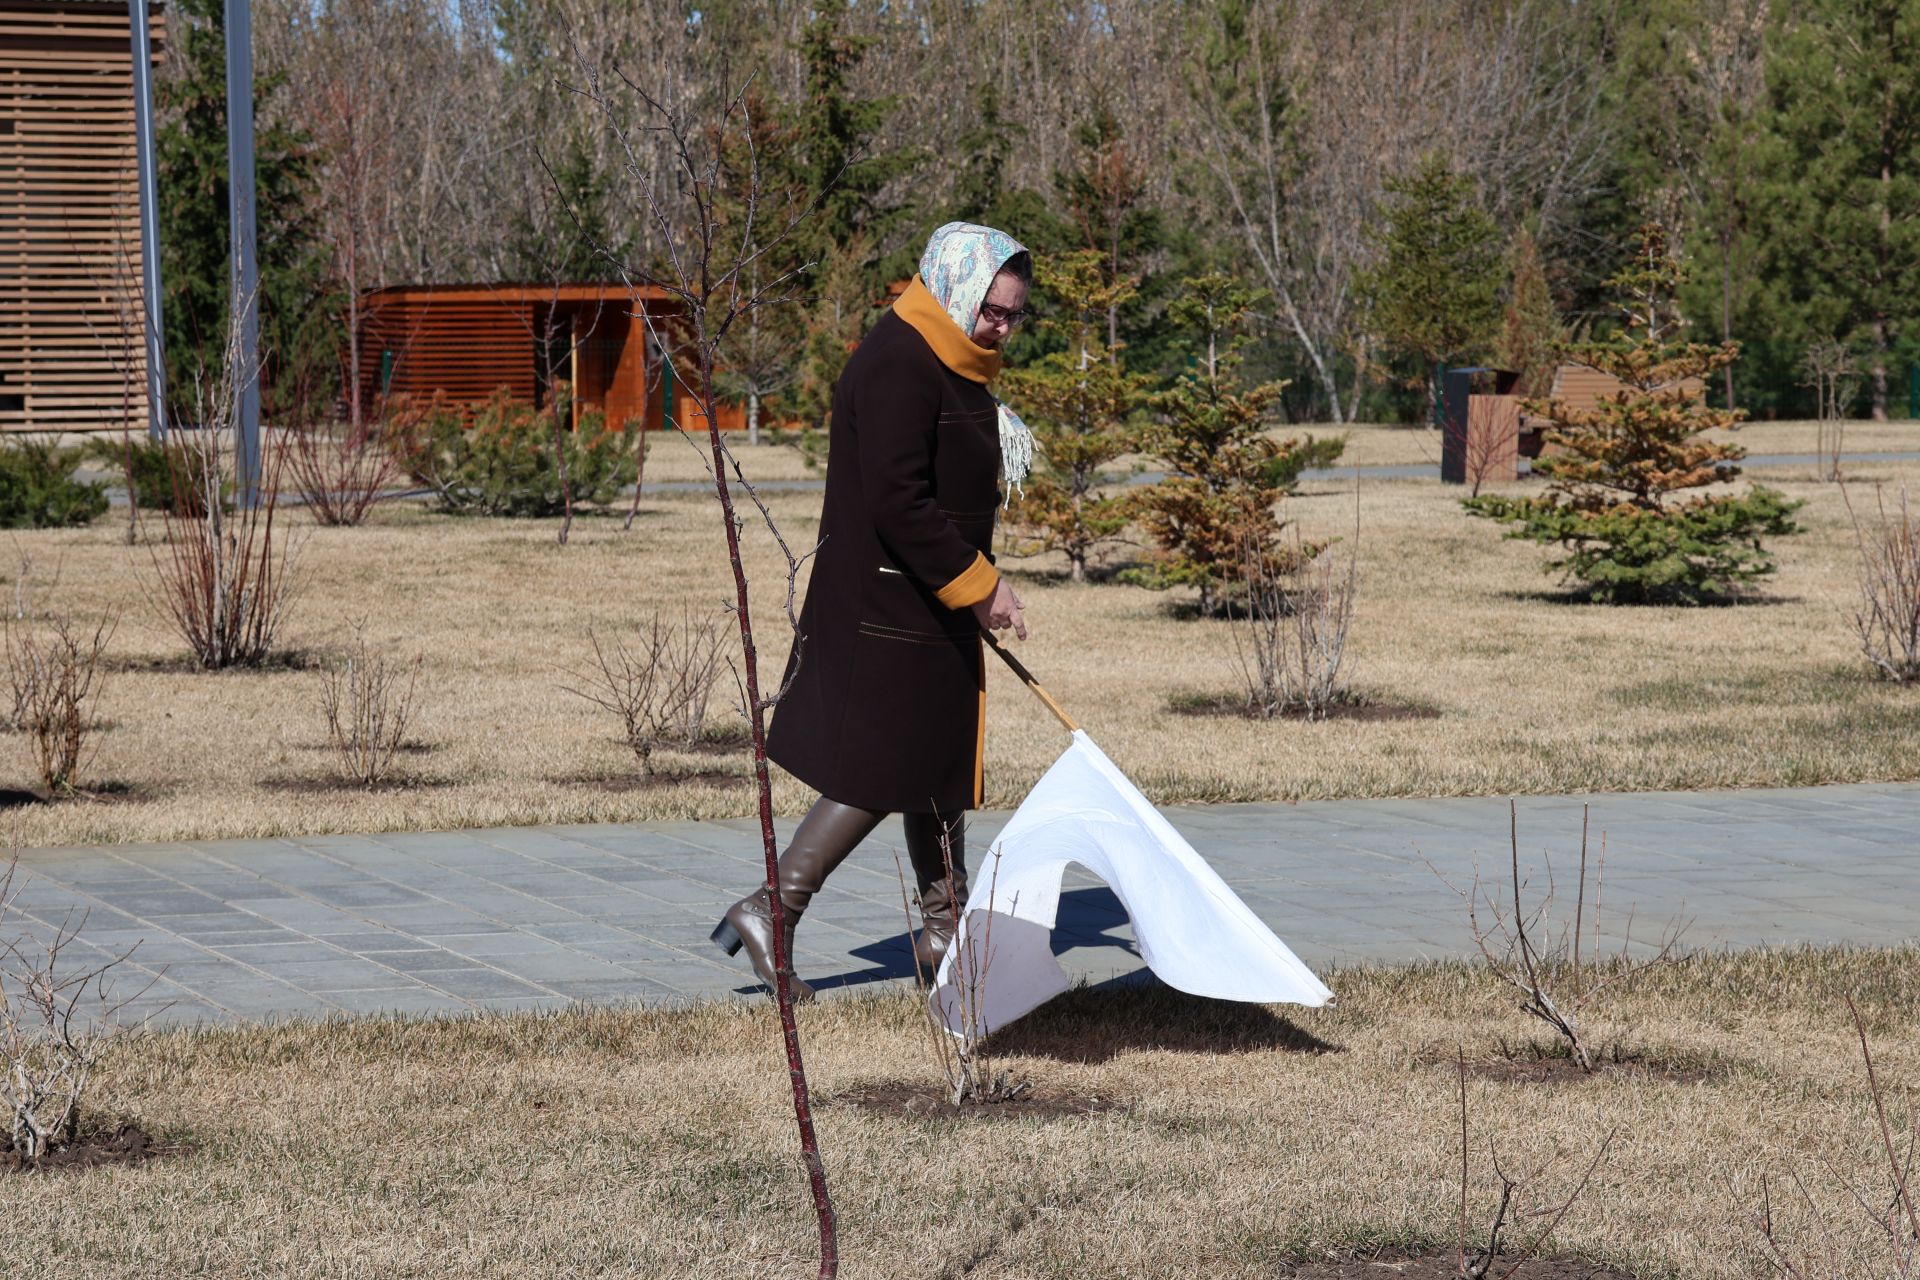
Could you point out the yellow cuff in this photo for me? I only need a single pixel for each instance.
(975, 584)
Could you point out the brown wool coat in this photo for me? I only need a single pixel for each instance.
(887, 708)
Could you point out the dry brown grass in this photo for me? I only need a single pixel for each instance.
(658, 1143)
(1535, 695)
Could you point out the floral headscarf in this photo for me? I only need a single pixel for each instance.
(958, 268)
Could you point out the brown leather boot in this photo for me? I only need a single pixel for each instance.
(822, 842)
(943, 888)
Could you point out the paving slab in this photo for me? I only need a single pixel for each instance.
(456, 922)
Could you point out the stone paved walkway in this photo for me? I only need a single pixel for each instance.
(514, 918)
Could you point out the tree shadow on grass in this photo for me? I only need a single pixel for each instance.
(1577, 597)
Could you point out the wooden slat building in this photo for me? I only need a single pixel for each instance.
(71, 349)
(467, 342)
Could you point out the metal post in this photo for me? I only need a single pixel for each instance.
(149, 219)
(246, 273)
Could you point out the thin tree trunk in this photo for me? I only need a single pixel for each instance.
(763, 785)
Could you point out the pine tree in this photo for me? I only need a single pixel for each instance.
(1532, 331)
(568, 237)
(1432, 294)
(1613, 493)
(1080, 402)
(1105, 196)
(297, 338)
(1842, 165)
(851, 232)
(1215, 509)
(983, 191)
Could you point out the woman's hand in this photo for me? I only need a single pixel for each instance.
(1001, 610)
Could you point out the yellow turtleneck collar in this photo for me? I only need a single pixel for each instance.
(960, 353)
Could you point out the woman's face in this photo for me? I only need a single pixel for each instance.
(1001, 310)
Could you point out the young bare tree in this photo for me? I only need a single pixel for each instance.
(56, 679)
(708, 268)
(57, 1015)
(659, 688)
(1541, 958)
(1291, 640)
(1834, 375)
(1894, 1213)
(1887, 615)
(368, 703)
(230, 571)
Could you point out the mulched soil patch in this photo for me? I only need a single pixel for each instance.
(1445, 1265)
(129, 1144)
(109, 792)
(923, 1102)
(724, 740)
(1361, 710)
(182, 664)
(312, 786)
(624, 783)
(1533, 1063)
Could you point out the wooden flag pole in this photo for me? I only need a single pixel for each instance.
(1026, 677)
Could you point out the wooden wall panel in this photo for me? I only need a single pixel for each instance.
(467, 342)
(71, 349)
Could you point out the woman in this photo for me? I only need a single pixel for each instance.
(885, 712)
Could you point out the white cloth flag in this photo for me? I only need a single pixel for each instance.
(1193, 931)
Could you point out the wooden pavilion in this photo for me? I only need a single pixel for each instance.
(467, 342)
(72, 355)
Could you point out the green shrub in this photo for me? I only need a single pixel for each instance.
(1701, 552)
(146, 463)
(505, 463)
(37, 488)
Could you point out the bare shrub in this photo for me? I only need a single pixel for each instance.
(1894, 1212)
(57, 1014)
(56, 678)
(658, 689)
(368, 702)
(339, 472)
(229, 575)
(1542, 958)
(1291, 642)
(1887, 617)
(1834, 374)
(1488, 1260)
(963, 1057)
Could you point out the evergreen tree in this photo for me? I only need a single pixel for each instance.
(1215, 509)
(855, 233)
(567, 236)
(1432, 294)
(764, 352)
(1612, 490)
(1531, 333)
(1080, 402)
(1105, 196)
(1842, 165)
(982, 191)
(298, 341)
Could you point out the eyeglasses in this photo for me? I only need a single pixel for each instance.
(1001, 315)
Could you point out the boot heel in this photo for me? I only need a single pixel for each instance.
(727, 938)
